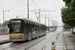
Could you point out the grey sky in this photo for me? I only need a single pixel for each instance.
(18, 7)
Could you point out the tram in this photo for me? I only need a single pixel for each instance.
(25, 29)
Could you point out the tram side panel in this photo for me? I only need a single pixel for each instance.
(45, 30)
(28, 32)
(37, 31)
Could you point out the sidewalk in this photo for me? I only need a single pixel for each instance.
(69, 40)
(60, 44)
(65, 41)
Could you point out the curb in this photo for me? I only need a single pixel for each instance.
(4, 41)
(54, 48)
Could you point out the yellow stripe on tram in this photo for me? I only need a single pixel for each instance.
(17, 21)
(28, 22)
(16, 35)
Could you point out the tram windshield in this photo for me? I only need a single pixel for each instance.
(16, 28)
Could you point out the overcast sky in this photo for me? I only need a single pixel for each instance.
(19, 8)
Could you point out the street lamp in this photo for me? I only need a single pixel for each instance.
(3, 18)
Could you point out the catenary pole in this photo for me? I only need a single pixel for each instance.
(28, 9)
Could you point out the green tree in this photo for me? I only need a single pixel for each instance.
(65, 25)
(6, 22)
(72, 4)
(68, 16)
(68, 13)
(67, 2)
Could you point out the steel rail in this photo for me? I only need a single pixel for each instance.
(49, 40)
(33, 44)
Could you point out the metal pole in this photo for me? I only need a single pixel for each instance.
(53, 23)
(3, 21)
(39, 15)
(56, 23)
(45, 18)
(48, 21)
(37, 19)
(16, 16)
(28, 9)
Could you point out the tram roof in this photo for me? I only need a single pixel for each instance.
(30, 20)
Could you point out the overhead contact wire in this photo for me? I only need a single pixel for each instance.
(35, 4)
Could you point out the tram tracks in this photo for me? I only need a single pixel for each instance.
(49, 39)
(46, 46)
(13, 44)
(38, 42)
(31, 45)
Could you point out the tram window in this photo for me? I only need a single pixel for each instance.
(37, 29)
(28, 27)
(16, 28)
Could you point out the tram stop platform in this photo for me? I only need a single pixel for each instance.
(4, 38)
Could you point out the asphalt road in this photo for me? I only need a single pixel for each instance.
(42, 43)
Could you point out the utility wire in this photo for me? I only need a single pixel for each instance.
(46, 3)
(35, 4)
(23, 2)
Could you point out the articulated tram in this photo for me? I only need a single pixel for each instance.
(25, 29)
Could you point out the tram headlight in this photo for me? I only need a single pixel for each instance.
(22, 34)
